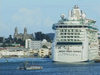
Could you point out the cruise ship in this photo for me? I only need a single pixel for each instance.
(76, 38)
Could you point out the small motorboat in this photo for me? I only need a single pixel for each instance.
(31, 67)
(34, 67)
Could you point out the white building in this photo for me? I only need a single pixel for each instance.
(76, 38)
(46, 43)
(5, 53)
(33, 44)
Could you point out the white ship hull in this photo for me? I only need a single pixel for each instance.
(74, 53)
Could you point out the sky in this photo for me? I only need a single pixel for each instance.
(40, 15)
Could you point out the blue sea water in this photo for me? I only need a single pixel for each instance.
(49, 68)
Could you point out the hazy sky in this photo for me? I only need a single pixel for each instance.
(39, 15)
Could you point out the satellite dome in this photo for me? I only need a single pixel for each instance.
(62, 16)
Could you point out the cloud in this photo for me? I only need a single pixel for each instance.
(34, 19)
(4, 29)
(27, 17)
(48, 21)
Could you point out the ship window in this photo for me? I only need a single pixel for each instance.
(64, 39)
(71, 39)
(68, 33)
(72, 30)
(75, 36)
(71, 36)
(61, 39)
(78, 40)
(68, 39)
(68, 30)
(61, 33)
(61, 36)
(68, 36)
(75, 40)
(62, 30)
(78, 33)
(71, 33)
(64, 36)
(76, 30)
(75, 33)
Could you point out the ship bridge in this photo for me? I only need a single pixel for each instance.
(76, 18)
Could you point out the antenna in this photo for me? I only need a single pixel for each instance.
(62, 16)
(76, 2)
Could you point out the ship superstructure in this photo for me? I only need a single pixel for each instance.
(76, 38)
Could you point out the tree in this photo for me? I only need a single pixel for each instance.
(21, 42)
(41, 36)
(44, 46)
(9, 39)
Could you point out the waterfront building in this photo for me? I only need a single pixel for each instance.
(33, 44)
(23, 36)
(46, 43)
(8, 53)
(76, 38)
(43, 52)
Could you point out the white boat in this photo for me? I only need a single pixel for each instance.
(34, 67)
(31, 67)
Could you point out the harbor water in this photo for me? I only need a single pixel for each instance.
(10, 66)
